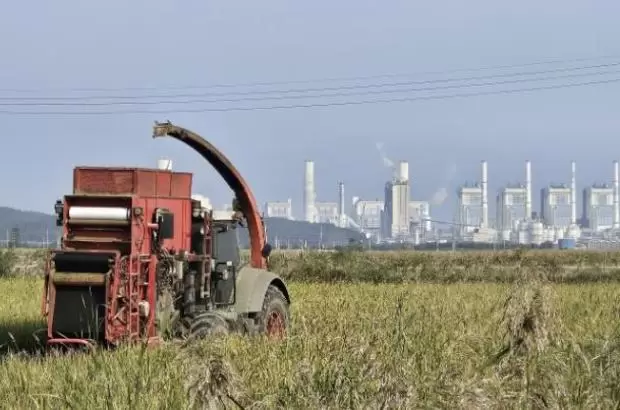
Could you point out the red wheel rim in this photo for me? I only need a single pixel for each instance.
(275, 325)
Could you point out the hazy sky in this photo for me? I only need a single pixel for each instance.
(122, 44)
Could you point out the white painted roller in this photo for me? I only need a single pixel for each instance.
(101, 213)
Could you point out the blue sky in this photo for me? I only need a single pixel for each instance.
(121, 44)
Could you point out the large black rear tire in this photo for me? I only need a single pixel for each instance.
(274, 318)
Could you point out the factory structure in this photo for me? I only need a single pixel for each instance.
(397, 217)
(557, 220)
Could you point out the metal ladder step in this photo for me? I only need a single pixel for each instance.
(133, 325)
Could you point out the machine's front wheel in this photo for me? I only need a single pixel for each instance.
(208, 324)
(274, 318)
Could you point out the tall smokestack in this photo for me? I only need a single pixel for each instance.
(309, 206)
(341, 211)
(485, 201)
(573, 194)
(403, 171)
(616, 196)
(528, 190)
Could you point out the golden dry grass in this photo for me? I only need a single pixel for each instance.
(571, 266)
(447, 267)
(353, 346)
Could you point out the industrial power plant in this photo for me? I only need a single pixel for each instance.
(398, 218)
(557, 220)
(395, 218)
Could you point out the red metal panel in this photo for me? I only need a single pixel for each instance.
(181, 185)
(147, 183)
(131, 181)
(103, 181)
(181, 208)
(163, 184)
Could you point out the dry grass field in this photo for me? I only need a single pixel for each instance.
(376, 330)
(410, 266)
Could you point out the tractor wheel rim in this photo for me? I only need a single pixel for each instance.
(275, 325)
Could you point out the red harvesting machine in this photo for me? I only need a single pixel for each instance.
(141, 258)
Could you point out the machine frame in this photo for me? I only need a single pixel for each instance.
(119, 266)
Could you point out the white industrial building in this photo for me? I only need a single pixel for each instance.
(420, 215)
(396, 221)
(558, 205)
(367, 214)
(514, 206)
(327, 212)
(469, 211)
(402, 218)
(279, 209)
(515, 221)
(598, 207)
(510, 209)
(601, 205)
(555, 205)
(473, 208)
(518, 224)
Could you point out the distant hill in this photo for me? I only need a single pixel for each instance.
(33, 225)
(296, 233)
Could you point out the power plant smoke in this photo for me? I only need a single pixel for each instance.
(388, 163)
(441, 194)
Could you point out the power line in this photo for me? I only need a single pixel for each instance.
(303, 90)
(328, 79)
(287, 97)
(313, 105)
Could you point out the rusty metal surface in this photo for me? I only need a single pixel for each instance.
(79, 279)
(131, 181)
(233, 178)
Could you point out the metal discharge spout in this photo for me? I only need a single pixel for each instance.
(232, 177)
